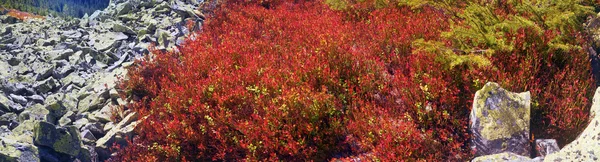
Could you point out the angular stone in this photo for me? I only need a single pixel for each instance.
(546, 146)
(55, 106)
(118, 27)
(505, 156)
(586, 147)
(87, 135)
(88, 153)
(8, 119)
(24, 132)
(67, 118)
(73, 78)
(163, 37)
(107, 40)
(94, 128)
(80, 123)
(36, 112)
(46, 85)
(64, 140)
(36, 99)
(42, 70)
(500, 121)
(18, 99)
(5, 103)
(123, 8)
(60, 54)
(117, 134)
(13, 151)
(90, 103)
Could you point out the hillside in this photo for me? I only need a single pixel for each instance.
(73, 8)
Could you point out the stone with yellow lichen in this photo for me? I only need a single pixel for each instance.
(505, 156)
(500, 121)
(64, 140)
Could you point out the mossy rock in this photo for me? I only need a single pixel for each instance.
(500, 121)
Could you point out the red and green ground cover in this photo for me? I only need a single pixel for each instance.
(377, 80)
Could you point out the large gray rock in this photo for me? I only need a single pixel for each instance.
(64, 140)
(587, 145)
(500, 121)
(505, 157)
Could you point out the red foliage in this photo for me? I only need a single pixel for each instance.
(22, 15)
(560, 82)
(296, 81)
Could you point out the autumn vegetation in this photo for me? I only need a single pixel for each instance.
(381, 80)
(19, 14)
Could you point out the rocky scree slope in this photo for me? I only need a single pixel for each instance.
(57, 76)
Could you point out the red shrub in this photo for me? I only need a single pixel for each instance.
(22, 15)
(560, 82)
(288, 80)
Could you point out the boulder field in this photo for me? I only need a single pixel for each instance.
(58, 93)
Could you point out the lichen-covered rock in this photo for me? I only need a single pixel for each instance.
(4, 103)
(46, 85)
(117, 134)
(64, 140)
(24, 132)
(13, 151)
(505, 156)
(88, 153)
(500, 121)
(587, 145)
(108, 40)
(36, 112)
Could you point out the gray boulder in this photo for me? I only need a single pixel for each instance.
(65, 140)
(505, 157)
(500, 121)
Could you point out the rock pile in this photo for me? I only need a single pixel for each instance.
(57, 76)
